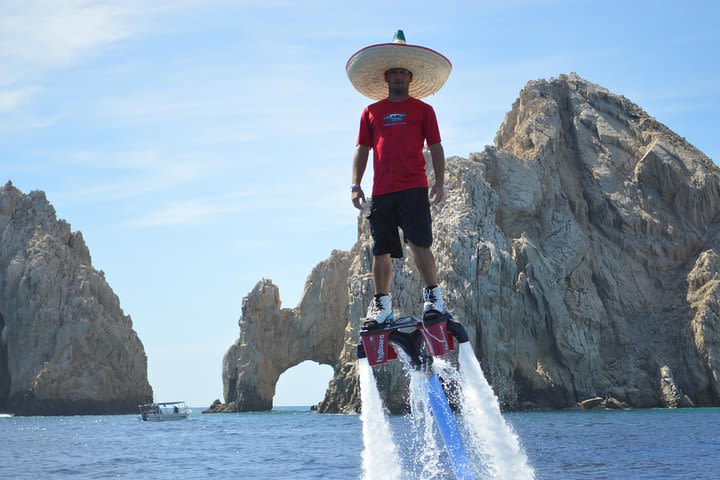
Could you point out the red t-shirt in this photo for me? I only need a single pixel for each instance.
(396, 132)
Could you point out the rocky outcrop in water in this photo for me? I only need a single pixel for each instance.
(312, 331)
(580, 251)
(66, 347)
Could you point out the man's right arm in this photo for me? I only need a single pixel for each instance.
(360, 159)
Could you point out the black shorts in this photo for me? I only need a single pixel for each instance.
(408, 210)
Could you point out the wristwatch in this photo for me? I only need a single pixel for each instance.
(354, 187)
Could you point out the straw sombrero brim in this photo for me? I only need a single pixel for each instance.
(366, 69)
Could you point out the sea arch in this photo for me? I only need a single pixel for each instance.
(273, 339)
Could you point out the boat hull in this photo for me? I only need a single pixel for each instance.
(165, 417)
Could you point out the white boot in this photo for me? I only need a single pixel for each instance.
(433, 305)
(380, 309)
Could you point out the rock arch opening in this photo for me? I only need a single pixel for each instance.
(304, 384)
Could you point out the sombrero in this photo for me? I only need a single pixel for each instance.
(366, 68)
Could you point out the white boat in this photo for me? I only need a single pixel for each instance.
(164, 411)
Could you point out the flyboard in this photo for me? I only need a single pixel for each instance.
(428, 338)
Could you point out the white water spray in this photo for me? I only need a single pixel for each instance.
(478, 453)
(488, 430)
(425, 442)
(380, 458)
(493, 449)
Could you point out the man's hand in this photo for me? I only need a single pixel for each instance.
(360, 159)
(358, 198)
(437, 194)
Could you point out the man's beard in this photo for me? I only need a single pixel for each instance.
(399, 90)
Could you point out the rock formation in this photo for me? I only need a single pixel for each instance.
(580, 251)
(312, 331)
(65, 345)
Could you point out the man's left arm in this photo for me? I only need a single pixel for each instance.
(437, 192)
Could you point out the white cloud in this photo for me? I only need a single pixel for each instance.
(135, 173)
(202, 210)
(282, 204)
(37, 36)
(156, 107)
(50, 33)
(189, 212)
(10, 99)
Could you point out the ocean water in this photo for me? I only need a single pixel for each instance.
(295, 443)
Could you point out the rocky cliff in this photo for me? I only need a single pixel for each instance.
(65, 345)
(580, 251)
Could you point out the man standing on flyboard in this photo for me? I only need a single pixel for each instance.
(396, 129)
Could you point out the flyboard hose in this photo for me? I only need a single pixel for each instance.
(428, 332)
(449, 431)
(444, 418)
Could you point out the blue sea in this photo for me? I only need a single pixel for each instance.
(295, 443)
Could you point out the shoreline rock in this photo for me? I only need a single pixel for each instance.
(66, 347)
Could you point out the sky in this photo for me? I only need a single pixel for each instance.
(203, 145)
